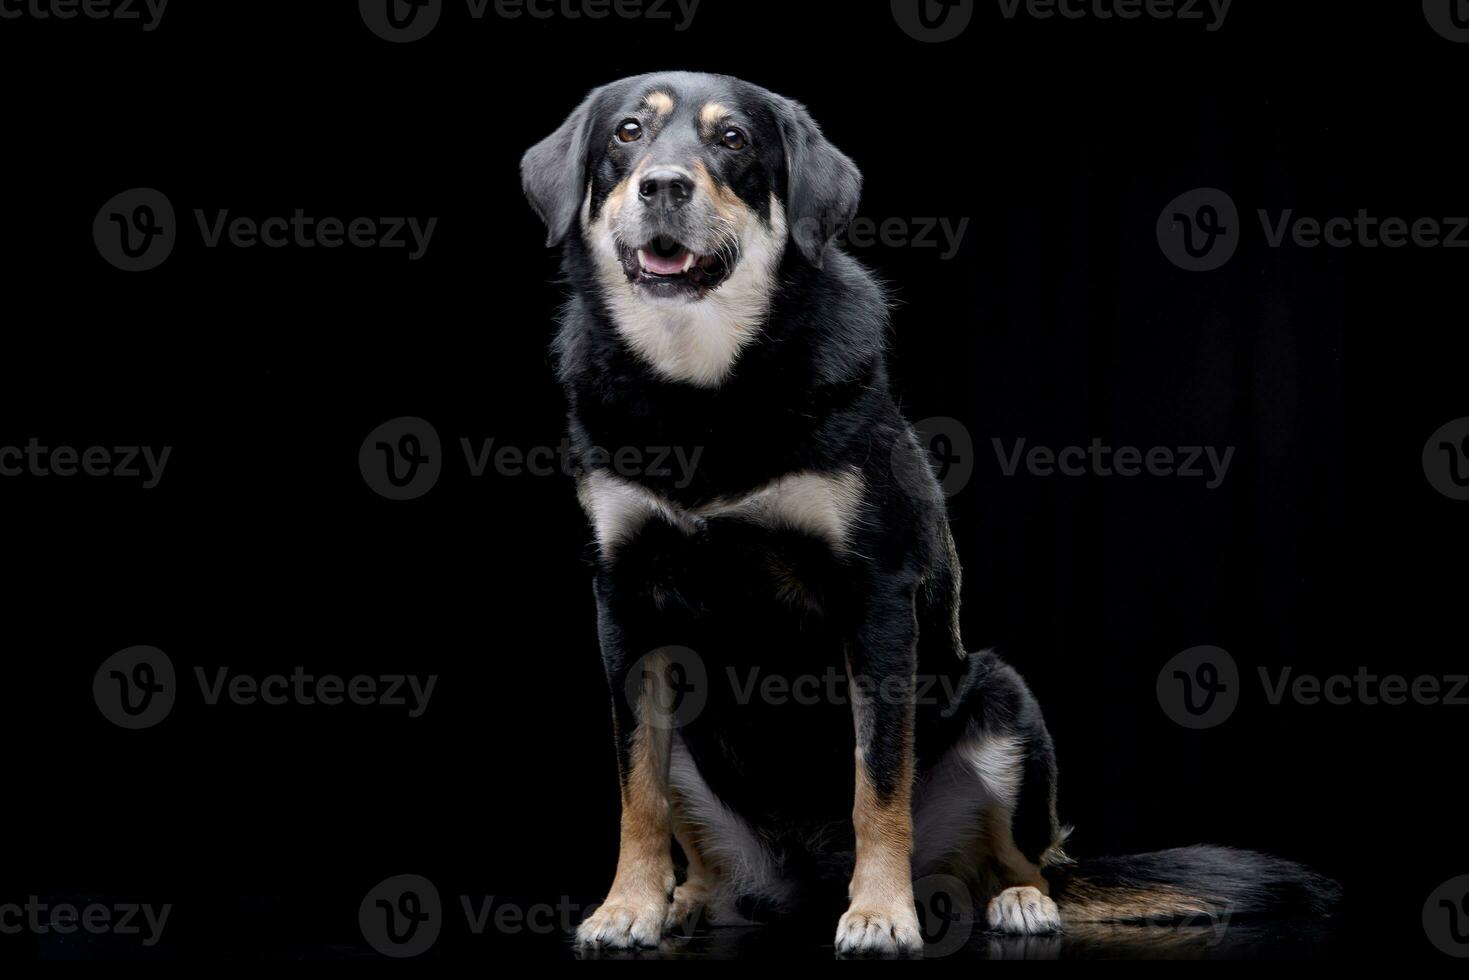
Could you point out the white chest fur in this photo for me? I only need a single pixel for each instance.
(695, 342)
(824, 505)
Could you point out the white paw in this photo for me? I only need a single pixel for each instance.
(1023, 911)
(879, 932)
(624, 925)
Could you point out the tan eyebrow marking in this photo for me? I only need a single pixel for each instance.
(713, 114)
(659, 102)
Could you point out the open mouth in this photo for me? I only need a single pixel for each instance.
(665, 265)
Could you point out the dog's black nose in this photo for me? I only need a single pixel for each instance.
(666, 189)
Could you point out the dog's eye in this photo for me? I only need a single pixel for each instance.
(734, 139)
(630, 131)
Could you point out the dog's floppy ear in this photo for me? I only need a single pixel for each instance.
(823, 185)
(554, 171)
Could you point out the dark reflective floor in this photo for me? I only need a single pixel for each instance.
(285, 929)
(1216, 941)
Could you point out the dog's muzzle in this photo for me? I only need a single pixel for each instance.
(673, 245)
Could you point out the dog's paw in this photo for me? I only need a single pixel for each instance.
(866, 931)
(622, 924)
(689, 909)
(1023, 911)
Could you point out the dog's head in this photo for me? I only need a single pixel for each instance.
(686, 190)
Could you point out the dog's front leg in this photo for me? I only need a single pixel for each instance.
(881, 660)
(637, 906)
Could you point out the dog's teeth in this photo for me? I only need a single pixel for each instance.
(643, 258)
(688, 262)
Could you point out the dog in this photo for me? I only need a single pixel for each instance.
(709, 307)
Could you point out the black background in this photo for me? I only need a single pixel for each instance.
(1059, 321)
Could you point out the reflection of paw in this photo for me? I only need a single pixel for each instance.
(622, 924)
(1002, 947)
(1024, 911)
(879, 932)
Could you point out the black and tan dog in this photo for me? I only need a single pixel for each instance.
(709, 309)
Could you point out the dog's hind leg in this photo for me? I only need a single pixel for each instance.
(692, 899)
(1023, 904)
(985, 812)
(727, 859)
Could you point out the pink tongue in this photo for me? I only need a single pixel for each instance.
(664, 267)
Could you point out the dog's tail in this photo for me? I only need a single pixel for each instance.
(1189, 883)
